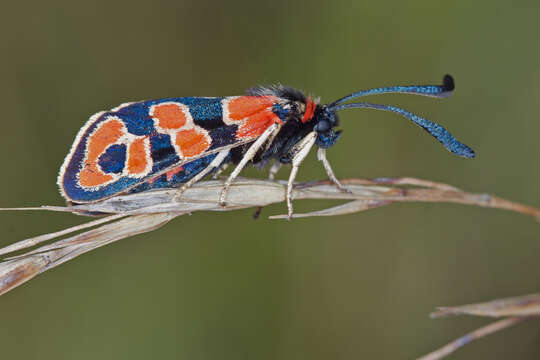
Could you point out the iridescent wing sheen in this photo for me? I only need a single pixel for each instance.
(158, 143)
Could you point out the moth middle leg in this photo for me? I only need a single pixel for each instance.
(271, 176)
(249, 155)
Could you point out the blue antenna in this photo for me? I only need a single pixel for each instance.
(438, 91)
(435, 130)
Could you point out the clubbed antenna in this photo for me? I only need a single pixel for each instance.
(436, 130)
(438, 91)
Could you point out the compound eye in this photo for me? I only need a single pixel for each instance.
(323, 126)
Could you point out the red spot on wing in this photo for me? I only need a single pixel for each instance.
(191, 142)
(310, 110)
(170, 174)
(106, 134)
(253, 114)
(137, 157)
(169, 116)
(256, 124)
(153, 180)
(245, 106)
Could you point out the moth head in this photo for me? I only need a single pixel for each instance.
(325, 120)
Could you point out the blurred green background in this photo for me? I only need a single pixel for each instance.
(223, 286)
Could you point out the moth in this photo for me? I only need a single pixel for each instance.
(175, 142)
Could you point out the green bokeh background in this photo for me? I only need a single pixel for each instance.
(223, 286)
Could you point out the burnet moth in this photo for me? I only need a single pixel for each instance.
(175, 142)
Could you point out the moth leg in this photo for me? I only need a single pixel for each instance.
(216, 162)
(271, 175)
(273, 170)
(219, 171)
(321, 155)
(300, 151)
(250, 153)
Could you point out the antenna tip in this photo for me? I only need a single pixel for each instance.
(448, 83)
(461, 149)
(469, 153)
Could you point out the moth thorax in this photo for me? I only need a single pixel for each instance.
(309, 109)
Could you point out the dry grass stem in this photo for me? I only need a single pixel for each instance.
(475, 335)
(133, 214)
(528, 305)
(255, 193)
(138, 213)
(516, 309)
(18, 270)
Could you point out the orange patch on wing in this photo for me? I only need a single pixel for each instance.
(90, 175)
(256, 124)
(170, 116)
(106, 134)
(170, 174)
(191, 142)
(137, 161)
(245, 106)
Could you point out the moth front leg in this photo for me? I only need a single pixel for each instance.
(299, 153)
